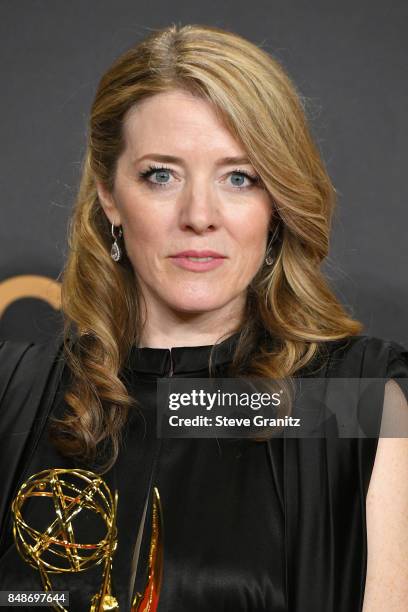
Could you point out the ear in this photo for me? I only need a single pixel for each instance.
(108, 204)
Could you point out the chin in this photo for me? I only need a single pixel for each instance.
(198, 304)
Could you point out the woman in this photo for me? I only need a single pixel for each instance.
(202, 220)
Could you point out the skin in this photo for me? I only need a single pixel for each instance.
(198, 207)
(387, 511)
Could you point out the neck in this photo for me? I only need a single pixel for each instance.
(187, 332)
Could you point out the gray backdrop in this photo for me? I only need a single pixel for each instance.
(348, 60)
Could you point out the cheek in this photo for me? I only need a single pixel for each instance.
(142, 232)
(253, 237)
(252, 246)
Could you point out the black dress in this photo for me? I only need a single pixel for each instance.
(256, 526)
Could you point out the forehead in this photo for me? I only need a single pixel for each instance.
(179, 120)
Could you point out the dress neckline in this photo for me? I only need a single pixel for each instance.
(180, 359)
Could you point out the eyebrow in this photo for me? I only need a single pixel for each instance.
(224, 161)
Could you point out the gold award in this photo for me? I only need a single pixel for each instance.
(54, 549)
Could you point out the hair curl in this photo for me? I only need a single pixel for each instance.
(291, 301)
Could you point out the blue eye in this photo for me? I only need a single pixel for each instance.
(240, 176)
(163, 174)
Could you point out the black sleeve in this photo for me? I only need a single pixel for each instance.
(29, 376)
(397, 366)
(394, 422)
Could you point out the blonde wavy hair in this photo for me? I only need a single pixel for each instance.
(291, 300)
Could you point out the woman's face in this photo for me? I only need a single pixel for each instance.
(183, 184)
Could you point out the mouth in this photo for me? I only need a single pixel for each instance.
(198, 261)
(199, 255)
(191, 258)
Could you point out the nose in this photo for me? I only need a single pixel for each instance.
(199, 208)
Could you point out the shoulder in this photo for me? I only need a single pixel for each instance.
(364, 356)
(25, 370)
(11, 355)
(25, 360)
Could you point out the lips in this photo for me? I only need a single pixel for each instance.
(206, 253)
(198, 261)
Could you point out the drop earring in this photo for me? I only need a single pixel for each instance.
(268, 258)
(116, 251)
